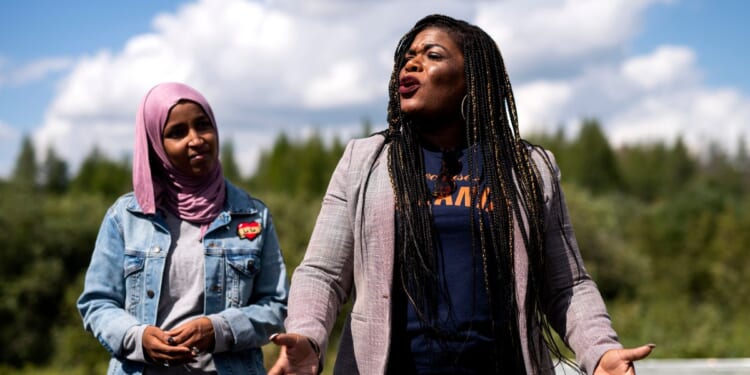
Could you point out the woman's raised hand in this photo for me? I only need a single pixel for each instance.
(297, 356)
(620, 361)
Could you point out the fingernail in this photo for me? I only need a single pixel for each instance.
(273, 336)
(651, 346)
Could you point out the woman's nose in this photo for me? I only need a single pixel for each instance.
(195, 139)
(412, 65)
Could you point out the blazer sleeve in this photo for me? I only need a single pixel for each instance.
(572, 302)
(323, 280)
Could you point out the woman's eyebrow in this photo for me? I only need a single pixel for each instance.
(432, 45)
(425, 47)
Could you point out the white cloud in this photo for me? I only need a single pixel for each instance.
(33, 71)
(700, 116)
(40, 69)
(257, 63)
(345, 76)
(541, 104)
(648, 98)
(541, 37)
(667, 67)
(283, 65)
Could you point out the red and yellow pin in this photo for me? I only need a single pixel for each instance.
(249, 230)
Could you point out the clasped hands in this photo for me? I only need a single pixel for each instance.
(180, 345)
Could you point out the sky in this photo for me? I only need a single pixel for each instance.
(72, 73)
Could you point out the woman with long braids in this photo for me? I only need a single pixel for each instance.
(450, 233)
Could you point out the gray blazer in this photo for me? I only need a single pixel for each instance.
(351, 251)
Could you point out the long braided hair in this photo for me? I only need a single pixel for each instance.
(515, 193)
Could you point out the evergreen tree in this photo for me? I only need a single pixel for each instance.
(228, 163)
(54, 173)
(742, 161)
(643, 170)
(313, 173)
(595, 166)
(100, 175)
(720, 172)
(272, 169)
(680, 167)
(26, 172)
(366, 127)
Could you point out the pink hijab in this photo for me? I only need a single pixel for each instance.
(197, 200)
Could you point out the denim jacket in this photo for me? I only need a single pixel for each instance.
(245, 279)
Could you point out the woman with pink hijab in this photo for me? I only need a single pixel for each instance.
(187, 274)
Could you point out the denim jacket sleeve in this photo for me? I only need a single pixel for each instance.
(264, 314)
(102, 303)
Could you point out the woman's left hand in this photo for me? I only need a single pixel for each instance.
(197, 334)
(620, 361)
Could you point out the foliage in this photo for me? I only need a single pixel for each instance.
(600, 224)
(662, 232)
(48, 243)
(100, 175)
(594, 164)
(228, 164)
(297, 168)
(26, 172)
(54, 173)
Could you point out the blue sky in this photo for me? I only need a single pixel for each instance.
(72, 73)
(43, 28)
(716, 29)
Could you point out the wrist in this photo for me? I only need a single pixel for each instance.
(315, 347)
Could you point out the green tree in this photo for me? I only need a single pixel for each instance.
(654, 171)
(594, 166)
(555, 142)
(297, 168)
(54, 173)
(601, 225)
(25, 171)
(48, 241)
(742, 162)
(228, 163)
(681, 167)
(641, 168)
(314, 168)
(366, 127)
(273, 168)
(100, 175)
(721, 172)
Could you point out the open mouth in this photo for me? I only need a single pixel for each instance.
(408, 85)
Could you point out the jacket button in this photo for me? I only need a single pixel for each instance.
(157, 249)
(216, 288)
(150, 293)
(251, 265)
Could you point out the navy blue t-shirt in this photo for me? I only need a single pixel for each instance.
(466, 317)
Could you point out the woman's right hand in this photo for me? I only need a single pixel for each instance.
(161, 348)
(297, 356)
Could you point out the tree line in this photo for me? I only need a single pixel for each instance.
(663, 232)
